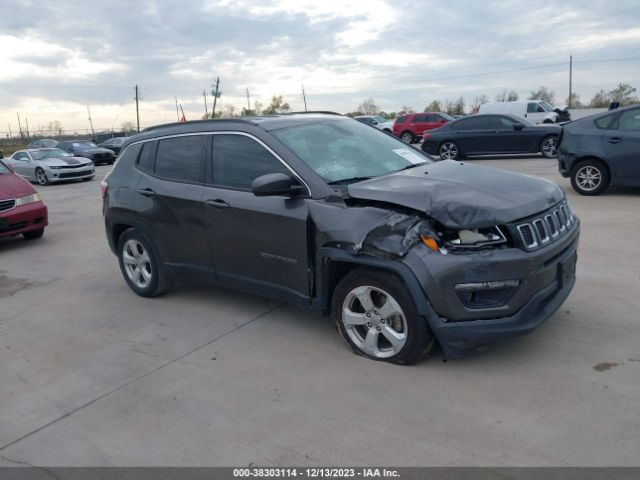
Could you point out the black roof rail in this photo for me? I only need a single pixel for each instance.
(326, 112)
(192, 122)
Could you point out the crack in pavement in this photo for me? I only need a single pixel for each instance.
(166, 364)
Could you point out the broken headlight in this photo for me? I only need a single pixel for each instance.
(466, 239)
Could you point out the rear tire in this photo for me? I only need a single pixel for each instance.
(139, 265)
(385, 325)
(33, 234)
(407, 137)
(590, 177)
(449, 150)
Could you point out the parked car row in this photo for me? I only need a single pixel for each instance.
(104, 152)
(46, 165)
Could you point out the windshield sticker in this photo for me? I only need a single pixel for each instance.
(409, 156)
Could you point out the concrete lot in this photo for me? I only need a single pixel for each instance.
(91, 374)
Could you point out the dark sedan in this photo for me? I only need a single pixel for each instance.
(87, 149)
(491, 134)
(602, 150)
(43, 143)
(114, 144)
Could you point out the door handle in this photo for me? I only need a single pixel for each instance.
(614, 140)
(147, 192)
(217, 203)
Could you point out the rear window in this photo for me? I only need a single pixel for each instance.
(603, 122)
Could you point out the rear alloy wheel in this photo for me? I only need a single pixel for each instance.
(41, 176)
(449, 151)
(406, 137)
(590, 177)
(377, 317)
(549, 147)
(139, 265)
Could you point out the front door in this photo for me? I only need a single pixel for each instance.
(622, 145)
(259, 243)
(22, 165)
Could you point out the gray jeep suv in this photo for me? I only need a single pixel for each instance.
(329, 214)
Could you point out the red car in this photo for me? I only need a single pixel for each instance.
(21, 210)
(410, 127)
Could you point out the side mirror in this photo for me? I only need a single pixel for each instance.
(274, 184)
(518, 126)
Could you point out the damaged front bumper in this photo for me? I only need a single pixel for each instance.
(535, 284)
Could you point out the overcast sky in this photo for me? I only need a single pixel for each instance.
(59, 56)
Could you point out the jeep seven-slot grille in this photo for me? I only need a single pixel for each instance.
(550, 225)
(7, 204)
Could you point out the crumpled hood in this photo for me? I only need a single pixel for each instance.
(65, 161)
(461, 195)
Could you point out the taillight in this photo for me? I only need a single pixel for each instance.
(104, 187)
(425, 135)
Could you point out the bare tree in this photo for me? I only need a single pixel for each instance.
(507, 96)
(543, 93)
(574, 101)
(434, 106)
(600, 100)
(128, 127)
(457, 107)
(369, 107)
(256, 110)
(406, 109)
(477, 102)
(277, 105)
(229, 111)
(623, 94)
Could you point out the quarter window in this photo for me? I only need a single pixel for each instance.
(181, 158)
(145, 160)
(238, 160)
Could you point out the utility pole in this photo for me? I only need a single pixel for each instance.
(304, 97)
(570, 79)
(91, 122)
(206, 112)
(248, 101)
(137, 107)
(28, 136)
(20, 126)
(215, 93)
(10, 134)
(177, 112)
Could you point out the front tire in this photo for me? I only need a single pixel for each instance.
(41, 176)
(139, 265)
(378, 319)
(449, 151)
(590, 177)
(549, 146)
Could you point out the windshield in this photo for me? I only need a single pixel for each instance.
(4, 169)
(85, 145)
(547, 106)
(446, 116)
(345, 150)
(380, 119)
(49, 154)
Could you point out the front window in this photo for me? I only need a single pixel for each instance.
(49, 154)
(347, 151)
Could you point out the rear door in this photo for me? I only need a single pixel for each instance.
(434, 121)
(621, 144)
(476, 134)
(258, 243)
(169, 197)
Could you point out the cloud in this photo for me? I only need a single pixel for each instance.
(59, 57)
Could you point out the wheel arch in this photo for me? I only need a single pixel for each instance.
(333, 264)
(593, 158)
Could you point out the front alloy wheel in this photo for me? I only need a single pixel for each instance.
(449, 151)
(41, 177)
(549, 147)
(374, 321)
